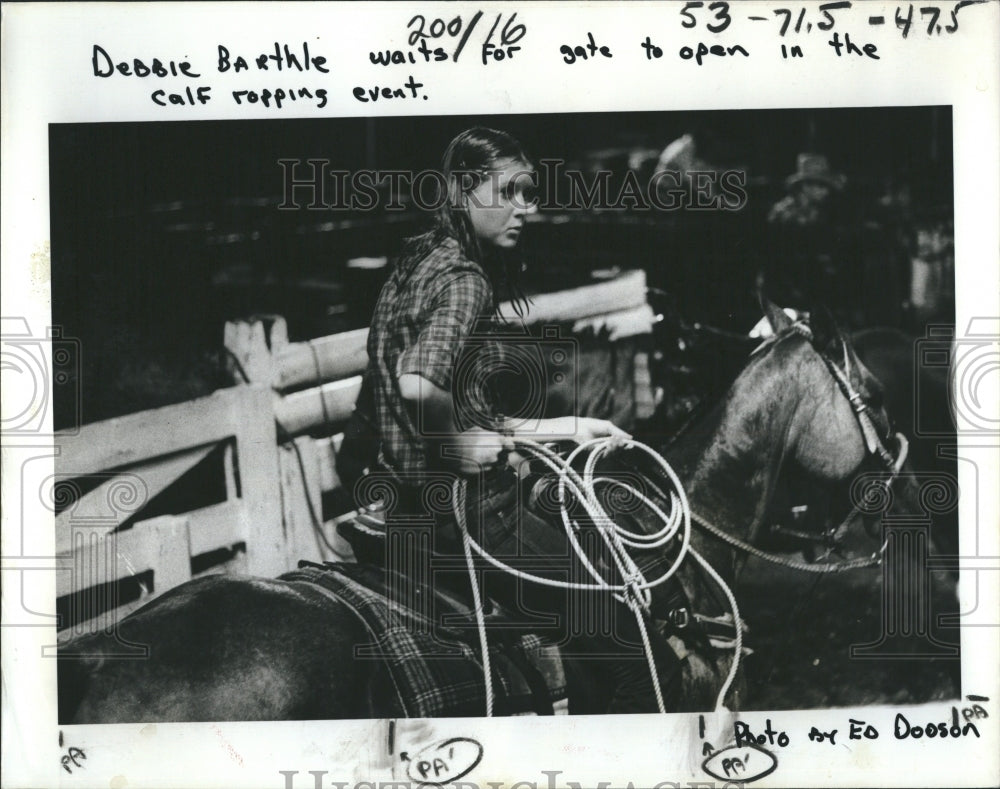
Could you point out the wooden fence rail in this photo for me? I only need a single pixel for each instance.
(102, 534)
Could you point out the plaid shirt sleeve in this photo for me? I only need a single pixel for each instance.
(455, 308)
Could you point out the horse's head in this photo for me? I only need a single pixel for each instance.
(838, 432)
(840, 419)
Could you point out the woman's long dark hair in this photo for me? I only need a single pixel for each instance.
(467, 162)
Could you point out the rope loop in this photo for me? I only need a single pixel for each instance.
(633, 589)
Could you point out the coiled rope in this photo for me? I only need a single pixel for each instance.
(634, 592)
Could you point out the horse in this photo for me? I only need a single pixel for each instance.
(698, 362)
(238, 648)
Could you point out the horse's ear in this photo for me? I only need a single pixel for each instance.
(825, 331)
(776, 316)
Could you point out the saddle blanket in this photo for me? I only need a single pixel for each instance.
(436, 670)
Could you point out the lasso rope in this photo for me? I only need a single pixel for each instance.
(458, 490)
(634, 592)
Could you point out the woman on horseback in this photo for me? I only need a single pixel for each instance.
(431, 390)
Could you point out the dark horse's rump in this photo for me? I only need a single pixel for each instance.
(219, 648)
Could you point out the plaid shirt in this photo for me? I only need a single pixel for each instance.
(432, 322)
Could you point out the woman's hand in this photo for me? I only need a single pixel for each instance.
(588, 429)
(577, 428)
(476, 449)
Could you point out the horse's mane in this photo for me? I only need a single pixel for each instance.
(708, 404)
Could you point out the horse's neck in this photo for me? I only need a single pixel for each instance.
(730, 461)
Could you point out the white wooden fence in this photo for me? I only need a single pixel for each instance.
(274, 437)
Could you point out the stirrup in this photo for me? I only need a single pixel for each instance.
(721, 630)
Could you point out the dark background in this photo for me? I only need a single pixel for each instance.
(163, 231)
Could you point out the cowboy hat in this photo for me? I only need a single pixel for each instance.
(814, 167)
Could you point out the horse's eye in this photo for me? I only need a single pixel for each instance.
(875, 398)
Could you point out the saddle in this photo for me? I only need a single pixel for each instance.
(450, 594)
(450, 600)
(426, 636)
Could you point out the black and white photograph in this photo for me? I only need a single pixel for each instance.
(342, 279)
(411, 434)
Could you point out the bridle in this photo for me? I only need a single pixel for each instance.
(875, 448)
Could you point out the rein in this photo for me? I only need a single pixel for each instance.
(810, 567)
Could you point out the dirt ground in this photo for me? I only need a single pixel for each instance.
(802, 626)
